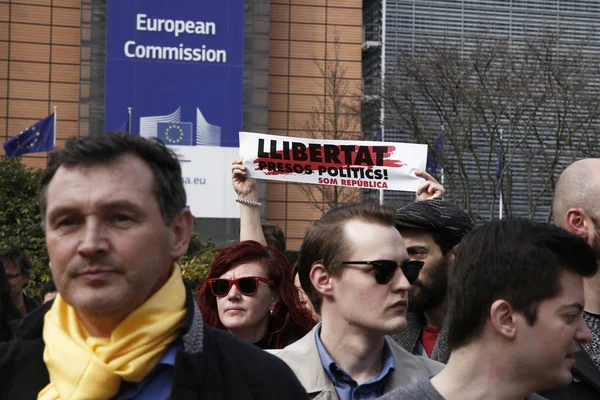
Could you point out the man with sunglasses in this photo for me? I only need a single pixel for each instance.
(515, 297)
(355, 270)
(123, 325)
(432, 231)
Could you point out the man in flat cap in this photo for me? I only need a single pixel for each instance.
(432, 230)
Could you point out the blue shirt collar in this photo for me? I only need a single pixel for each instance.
(157, 384)
(338, 375)
(169, 357)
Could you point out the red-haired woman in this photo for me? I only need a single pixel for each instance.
(250, 292)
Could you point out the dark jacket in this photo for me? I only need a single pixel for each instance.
(585, 384)
(15, 316)
(5, 329)
(409, 338)
(213, 365)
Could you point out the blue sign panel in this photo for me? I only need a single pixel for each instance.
(179, 65)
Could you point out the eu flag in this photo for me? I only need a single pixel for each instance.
(379, 136)
(175, 133)
(38, 137)
(125, 127)
(433, 163)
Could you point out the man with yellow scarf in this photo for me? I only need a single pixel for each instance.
(123, 325)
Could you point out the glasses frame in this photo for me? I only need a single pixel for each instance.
(235, 282)
(403, 265)
(13, 276)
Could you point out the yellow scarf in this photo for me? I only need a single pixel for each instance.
(85, 367)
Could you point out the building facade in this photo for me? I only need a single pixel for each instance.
(52, 53)
(40, 59)
(408, 26)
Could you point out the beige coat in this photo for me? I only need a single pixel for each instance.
(303, 358)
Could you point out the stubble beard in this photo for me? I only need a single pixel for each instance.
(423, 298)
(596, 240)
(596, 246)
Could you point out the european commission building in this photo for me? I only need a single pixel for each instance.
(412, 27)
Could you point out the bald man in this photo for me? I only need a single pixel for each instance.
(576, 208)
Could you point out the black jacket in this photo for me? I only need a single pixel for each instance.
(5, 330)
(586, 381)
(225, 367)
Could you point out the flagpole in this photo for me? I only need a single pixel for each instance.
(54, 127)
(500, 203)
(129, 119)
(442, 171)
(381, 190)
(383, 40)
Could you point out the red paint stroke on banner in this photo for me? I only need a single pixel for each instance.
(291, 166)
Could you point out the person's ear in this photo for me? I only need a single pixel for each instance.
(451, 254)
(181, 230)
(576, 222)
(502, 319)
(274, 302)
(320, 278)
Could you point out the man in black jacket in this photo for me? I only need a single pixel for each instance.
(123, 325)
(575, 208)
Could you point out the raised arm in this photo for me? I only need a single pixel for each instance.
(430, 189)
(245, 188)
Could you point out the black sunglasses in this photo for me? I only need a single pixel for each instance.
(385, 269)
(13, 276)
(247, 285)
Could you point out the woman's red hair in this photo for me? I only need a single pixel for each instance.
(290, 320)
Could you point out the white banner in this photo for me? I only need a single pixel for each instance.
(207, 179)
(361, 164)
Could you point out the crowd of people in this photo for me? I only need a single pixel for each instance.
(413, 303)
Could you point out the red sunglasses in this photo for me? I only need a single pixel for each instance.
(247, 285)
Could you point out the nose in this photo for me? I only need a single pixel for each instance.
(399, 281)
(583, 334)
(94, 241)
(234, 294)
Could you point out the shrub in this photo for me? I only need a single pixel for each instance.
(20, 219)
(196, 262)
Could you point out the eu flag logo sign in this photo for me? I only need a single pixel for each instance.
(38, 137)
(175, 133)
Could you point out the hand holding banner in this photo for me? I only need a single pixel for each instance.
(368, 165)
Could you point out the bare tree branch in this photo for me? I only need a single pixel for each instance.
(336, 117)
(538, 99)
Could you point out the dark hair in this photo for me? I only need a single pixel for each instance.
(274, 236)
(16, 255)
(107, 148)
(445, 244)
(48, 287)
(517, 260)
(326, 242)
(290, 318)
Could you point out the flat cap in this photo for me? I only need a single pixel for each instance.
(435, 215)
